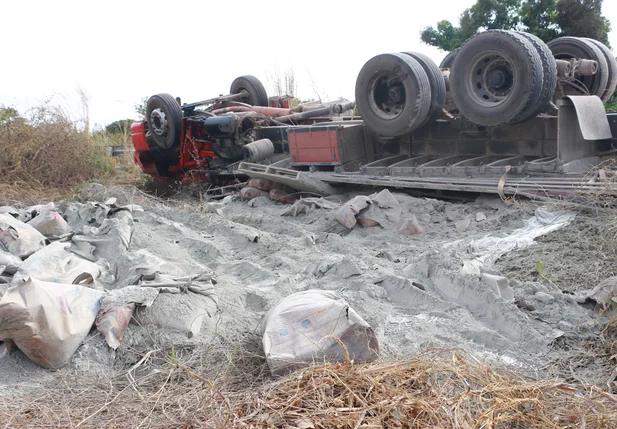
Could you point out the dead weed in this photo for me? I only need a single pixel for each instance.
(440, 388)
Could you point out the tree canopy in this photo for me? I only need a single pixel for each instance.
(122, 126)
(547, 19)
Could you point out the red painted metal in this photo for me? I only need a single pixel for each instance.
(273, 112)
(314, 145)
(281, 102)
(196, 150)
(138, 135)
(231, 109)
(146, 163)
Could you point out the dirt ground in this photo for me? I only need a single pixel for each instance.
(575, 258)
(536, 326)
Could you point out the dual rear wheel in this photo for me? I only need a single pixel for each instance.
(496, 77)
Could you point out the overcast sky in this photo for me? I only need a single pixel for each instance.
(121, 51)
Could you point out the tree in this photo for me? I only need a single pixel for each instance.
(583, 18)
(8, 115)
(140, 107)
(446, 36)
(122, 126)
(491, 15)
(540, 18)
(547, 19)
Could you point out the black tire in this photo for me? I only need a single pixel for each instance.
(437, 83)
(448, 60)
(611, 63)
(163, 158)
(576, 47)
(164, 117)
(256, 94)
(393, 94)
(495, 77)
(549, 70)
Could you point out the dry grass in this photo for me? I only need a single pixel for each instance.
(48, 153)
(438, 389)
(593, 361)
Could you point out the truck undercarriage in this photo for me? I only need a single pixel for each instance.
(505, 113)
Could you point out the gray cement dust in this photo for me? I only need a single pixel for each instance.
(374, 269)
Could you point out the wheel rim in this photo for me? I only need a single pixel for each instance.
(387, 95)
(491, 79)
(158, 122)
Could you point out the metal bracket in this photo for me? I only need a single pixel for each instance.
(581, 123)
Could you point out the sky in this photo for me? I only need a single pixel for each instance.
(118, 52)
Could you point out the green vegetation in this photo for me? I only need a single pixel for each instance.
(612, 103)
(121, 126)
(140, 107)
(547, 19)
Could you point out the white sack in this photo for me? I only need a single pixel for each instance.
(55, 264)
(302, 328)
(50, 223)
(48, 321)
(9, 261)
(19, 238)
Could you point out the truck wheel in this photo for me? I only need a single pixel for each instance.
(163, 158)
(393, 94)
(251, 86)
(549, 82)
(447, 62)
(565, 48)
(164, 118)
(495, 77)
(611, 63)
(437, 83)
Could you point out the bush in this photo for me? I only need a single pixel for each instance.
(47, 149)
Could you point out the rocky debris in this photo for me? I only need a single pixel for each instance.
(306, 205)
(499, 285)
(544, 297)
(280, 196)
(463, 224)
(524, 305)
(248, 193)
(490, 202)
(410, 226)
(263, 188)
(346, 214)
(261, 184)
(604, 296)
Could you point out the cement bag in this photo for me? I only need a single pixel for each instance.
(182, 311)
(19, 238)
(48, 321)
(55, 264)
(50, 223)
(303, 328)
(9, 261)
(117, 308)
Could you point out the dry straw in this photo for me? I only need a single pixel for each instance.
(438, 389)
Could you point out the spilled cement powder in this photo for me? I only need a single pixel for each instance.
(410, 289)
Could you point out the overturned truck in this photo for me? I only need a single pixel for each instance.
(504, 113)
